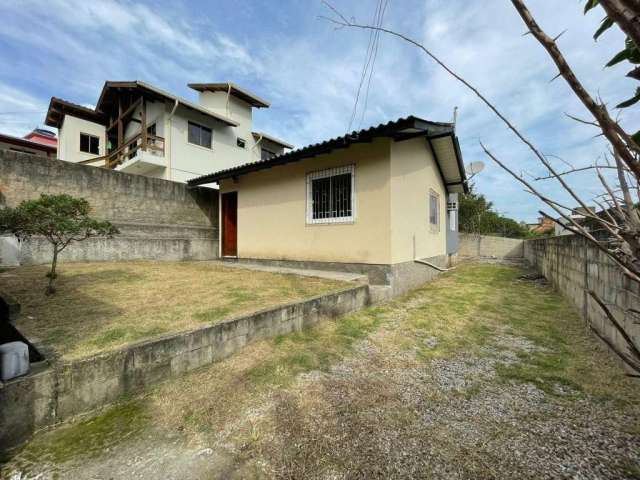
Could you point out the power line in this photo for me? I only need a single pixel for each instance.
(365, 67)
(370, 59)
(23, 111)
(375, 56)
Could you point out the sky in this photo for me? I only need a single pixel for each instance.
(311, 72)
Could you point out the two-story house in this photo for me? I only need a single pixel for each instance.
(138, 128)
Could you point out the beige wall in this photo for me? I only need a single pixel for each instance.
(69, 138)
(272, 210)
(413, 174)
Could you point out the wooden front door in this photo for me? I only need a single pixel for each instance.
(230, 224)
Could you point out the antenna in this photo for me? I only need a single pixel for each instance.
(473, 168)
(455, 115)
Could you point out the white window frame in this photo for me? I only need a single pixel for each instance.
(331, 172)
(435, 227)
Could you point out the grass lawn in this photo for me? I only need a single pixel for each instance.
(477, 375)
(101, 306)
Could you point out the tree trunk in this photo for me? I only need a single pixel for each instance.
(51, 289)
(626, 15)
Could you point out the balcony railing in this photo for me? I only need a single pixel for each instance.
(128, 150)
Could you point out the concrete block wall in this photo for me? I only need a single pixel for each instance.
(158, 219)
(484, 246)
(574, 266)
(61, 391)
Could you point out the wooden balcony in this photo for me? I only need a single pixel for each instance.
(130, 148)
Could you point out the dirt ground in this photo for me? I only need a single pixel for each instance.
(479, 374)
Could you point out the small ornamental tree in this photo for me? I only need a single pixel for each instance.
(61, 219)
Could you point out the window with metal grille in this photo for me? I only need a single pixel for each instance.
(199, 135)
(434, 210)
(240, 142)
(330, 196)
(89, 143)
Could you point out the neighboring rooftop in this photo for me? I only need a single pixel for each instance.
(40, 135)
(58, 107)
(403, 128)
(28, 143)
(232, 89)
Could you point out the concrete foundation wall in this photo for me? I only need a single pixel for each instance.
(484, 246)
(158, 219)
(65, 390)
(399, 277)
(409, 275)
(574, 266)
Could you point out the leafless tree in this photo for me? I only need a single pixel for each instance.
(619, 218)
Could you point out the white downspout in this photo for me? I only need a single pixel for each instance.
(173, 110)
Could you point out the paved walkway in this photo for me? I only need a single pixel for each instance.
(305, 272)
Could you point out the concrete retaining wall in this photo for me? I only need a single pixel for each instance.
(158, 219)
(574, 266)
(484, 246)
(64, 390)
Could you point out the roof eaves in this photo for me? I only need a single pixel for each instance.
(184, 102)
(234, 89)
(272, 139)
(188, 104)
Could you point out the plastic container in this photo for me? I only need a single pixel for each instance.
(14, 360)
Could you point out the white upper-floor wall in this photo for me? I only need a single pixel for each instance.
(221, 125)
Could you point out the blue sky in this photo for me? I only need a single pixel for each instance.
(310, 71)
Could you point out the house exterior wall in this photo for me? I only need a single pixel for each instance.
(188, 160)
(183, 160)
(272, 210)
(413, 175)
(69, 138)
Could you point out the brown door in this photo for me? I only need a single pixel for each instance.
(230, 224)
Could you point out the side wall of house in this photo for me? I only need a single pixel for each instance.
(272, 211)
(69, 138)
(414, 175)
(158, 219)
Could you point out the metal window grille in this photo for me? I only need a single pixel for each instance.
(331, 196)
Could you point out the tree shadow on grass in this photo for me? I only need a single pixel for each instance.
(72, 315)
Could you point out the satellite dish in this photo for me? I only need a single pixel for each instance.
(473, 168)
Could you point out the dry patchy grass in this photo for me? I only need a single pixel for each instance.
(370, 395)
(101, 306)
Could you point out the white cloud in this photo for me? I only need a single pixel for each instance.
(310, 71)
(19, 111)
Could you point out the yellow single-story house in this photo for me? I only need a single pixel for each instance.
(381, 201)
